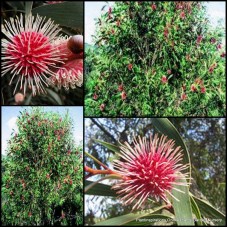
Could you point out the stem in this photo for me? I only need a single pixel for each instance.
(96, 171)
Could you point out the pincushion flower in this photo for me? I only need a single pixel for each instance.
(149, 169)
(70, 72)
(28, 51)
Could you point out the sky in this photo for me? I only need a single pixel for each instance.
(216, 10)
(10, 114)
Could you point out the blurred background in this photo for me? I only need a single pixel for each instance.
(205, 139)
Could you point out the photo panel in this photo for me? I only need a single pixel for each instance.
(159, 58)
(42, 166)
(155, 171)
(42, 53)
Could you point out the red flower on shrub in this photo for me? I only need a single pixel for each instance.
(30, 214)
(203, 90)
(63, 215)
(164, 79)
(193, 88)
(11, 193)
(102, 107)
(129, 66)
(213, 40)
(118, 23)
(71, 182)
(169, 72)
(48, 176)
(198, 81)
(68, 152)
(199, 39)
(95, 96)
(39, 124)
(120, 88)
(183, 87)
(223, 55)
(166, 32)
(182, 15)
(123, 95)
(219, 46)
(58, 138)
(153, 6)
(212, 67)
(183, 96)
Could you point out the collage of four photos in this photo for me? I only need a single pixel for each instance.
(113, 113)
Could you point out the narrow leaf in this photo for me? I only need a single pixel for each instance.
(182, 207)
(122, 220)
(100, 189)
(108, 145)
(164, 126)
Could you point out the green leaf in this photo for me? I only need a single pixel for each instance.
(196, 211)
(166, 127)
(209, 212)
(124, 219)
(55, 96)
(100, 189)
(69, 14)
(108, 145)
(182, 207)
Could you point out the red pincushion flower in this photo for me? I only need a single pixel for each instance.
(102, 107)
(29, 52)
(193, 88)
(182, 15)
(129, 66)
(95, 96)
(149, 169)
(203, 90)
(169, 71)
(199, 39)
(123, 95)
(153, 6)
(183, 96)
(164, 79)
(70, 73)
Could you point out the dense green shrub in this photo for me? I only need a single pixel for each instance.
(42, 172)
(156, 58)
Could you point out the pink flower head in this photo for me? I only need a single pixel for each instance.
(102, 107)
(154, 7)
(120, 88)
(193, 88)
(223, 55)
(164, 79)
(219, 46)
(182, 15)
(19, 98)
(213, 40)
(123, 95)
(183, 96)
(95, 96)
(169, 72)
(212, 67)
(70, 73)
(29, 51)
(166, 32)
(129, 66)
(149, 169)
(199, 39)
(203, 90)
(118, 23)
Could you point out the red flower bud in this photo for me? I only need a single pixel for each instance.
(95, 96)
(183, 96)
(193, 88)
(153, 6)
(164, 79)
(169, 72)
(129, 66)
(123, 95)
(120, 88)
(203, 90)
(102, 107)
